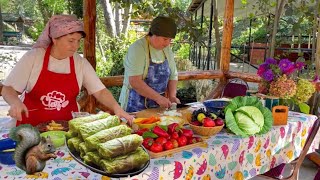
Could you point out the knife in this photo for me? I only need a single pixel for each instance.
(175, 106)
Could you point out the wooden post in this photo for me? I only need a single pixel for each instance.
(225, 48)
(89, 51)
(227, 36)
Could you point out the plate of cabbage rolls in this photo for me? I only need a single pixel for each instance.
(100, 143)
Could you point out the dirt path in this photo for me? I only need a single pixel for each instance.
(9, 55)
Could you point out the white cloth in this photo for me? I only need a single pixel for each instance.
(25, 74)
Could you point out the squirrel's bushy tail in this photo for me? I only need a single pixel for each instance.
(26, 136)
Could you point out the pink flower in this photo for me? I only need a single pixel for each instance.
(271, 61)
(316, 78)
(285, 65)
(299, 65)
(290, 70)
(262, 68)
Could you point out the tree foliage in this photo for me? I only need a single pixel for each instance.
(75, 7)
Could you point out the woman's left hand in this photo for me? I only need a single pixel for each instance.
(122, 114)
(174, 100)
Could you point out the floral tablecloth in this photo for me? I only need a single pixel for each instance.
(225, 156)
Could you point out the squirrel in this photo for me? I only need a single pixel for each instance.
(32, 151)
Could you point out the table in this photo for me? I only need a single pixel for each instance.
(225, 156)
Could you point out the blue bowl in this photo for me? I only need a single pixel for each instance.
(215, 106)
(6, 157)
(6, 151)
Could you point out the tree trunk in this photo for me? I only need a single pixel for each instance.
(108, 18)
(314, 35)
(100, 47)
(117, 17)
(278, 11)
(1, 26)
(318, 45)
(126, 20)
(43, 8)
(216, 33)
(69, 6)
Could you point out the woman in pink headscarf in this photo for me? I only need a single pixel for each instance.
(51, 75)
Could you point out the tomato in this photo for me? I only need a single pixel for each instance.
(168, 145)
(161, 140)
(147, 142)
(199, 139)
(192, 140)
(187, 132)
(182, 141)
(156, 147)
(174, 142)
(208, 122)
(174, 135)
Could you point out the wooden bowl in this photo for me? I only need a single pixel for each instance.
(205, 131)
(137, 125)
(43, 126)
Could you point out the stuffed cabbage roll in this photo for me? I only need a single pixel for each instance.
(76, 122)
(125, 163)
(107, 135)
(70, 134)
(119, 146)
(84, 149)
(87, 160)
(73, 143)
(94, 157)
(91, 128)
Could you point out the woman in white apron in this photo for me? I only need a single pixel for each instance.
(51, 75)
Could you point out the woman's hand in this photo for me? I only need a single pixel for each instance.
(17, 109)
(105, 97)
(122, 114)
(175, 100)
(163, 102)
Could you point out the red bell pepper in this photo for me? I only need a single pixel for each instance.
(174, 127)
(187, 133)
(147, 142)
(160, 132)
(141, 131)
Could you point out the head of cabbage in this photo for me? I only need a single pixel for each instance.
(246, 116)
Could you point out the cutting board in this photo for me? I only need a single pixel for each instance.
(157, 112)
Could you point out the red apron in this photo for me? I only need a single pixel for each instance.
(53, 97)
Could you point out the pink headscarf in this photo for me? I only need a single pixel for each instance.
(57, 26)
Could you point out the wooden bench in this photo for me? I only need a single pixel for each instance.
(9, 34)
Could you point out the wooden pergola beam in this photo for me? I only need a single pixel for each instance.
(225, 48)
(89, 51)
(227, 36)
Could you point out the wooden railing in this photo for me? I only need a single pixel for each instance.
(112, 81)
(89, 104)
